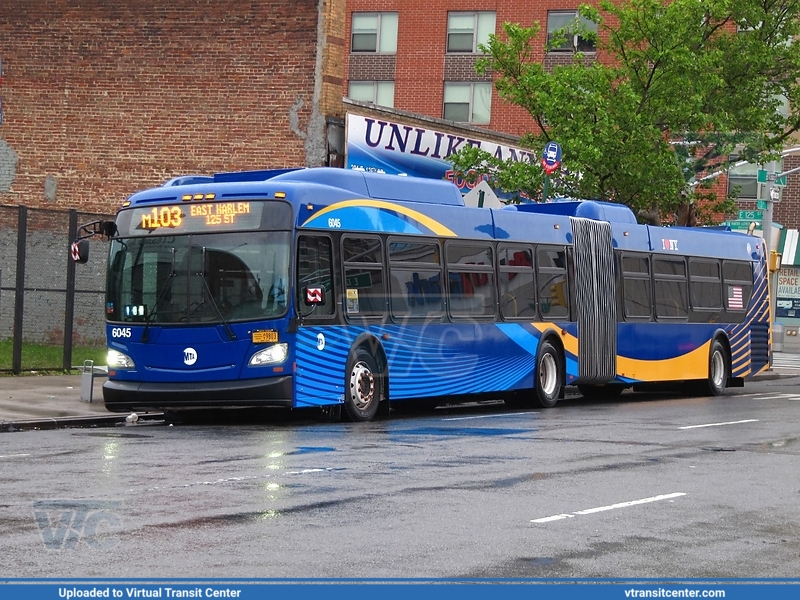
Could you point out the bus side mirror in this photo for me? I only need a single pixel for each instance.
(314, 296)
(107, 229)
(80, 251)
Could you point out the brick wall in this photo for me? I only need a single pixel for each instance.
(787, 211)
(105, 97)
(422, 65)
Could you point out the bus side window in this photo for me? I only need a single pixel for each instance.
(669, 275)
(314, 269)
(551, 275)
(517, 286)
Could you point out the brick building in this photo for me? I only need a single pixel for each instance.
(101, 98)
(420, 57)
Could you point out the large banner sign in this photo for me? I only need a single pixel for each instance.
(381, 146)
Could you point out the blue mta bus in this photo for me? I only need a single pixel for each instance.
(346, 290)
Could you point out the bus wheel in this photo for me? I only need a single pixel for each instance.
(717, 370)
(363, 386)
(548, 375)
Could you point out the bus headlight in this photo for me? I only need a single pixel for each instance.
(118, 360)
(273, 355)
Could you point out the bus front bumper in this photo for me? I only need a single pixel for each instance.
(125, 396)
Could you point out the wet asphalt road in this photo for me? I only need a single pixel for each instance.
(657, 486)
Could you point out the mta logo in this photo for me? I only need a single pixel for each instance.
(64, 523)
(189, 356)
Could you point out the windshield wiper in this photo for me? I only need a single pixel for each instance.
(161, 295)
(228, 330)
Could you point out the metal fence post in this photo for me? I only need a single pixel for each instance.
(69, 296)
(19, 291)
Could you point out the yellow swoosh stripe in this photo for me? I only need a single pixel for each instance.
(693, 365)
(434, 226)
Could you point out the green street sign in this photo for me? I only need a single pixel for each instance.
(752, 215)
(762, 204)
(763, 177)
(740, 224)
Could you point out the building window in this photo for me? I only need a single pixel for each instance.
(467, 30)
(374, 32)
(376, 92)
(745, 177)
(468, 102)
(562, 24)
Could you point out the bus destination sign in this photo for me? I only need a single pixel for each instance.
(190, 218)
(220, 213)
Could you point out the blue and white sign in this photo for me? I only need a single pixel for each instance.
(551, 157)
(381, 146)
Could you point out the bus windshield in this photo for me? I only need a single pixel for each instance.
(201, 278)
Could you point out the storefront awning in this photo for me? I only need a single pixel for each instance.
(788, 247)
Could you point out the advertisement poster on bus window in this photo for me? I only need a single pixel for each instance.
(382, 146)
(787, 297)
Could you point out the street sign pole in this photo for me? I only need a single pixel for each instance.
(766, 225)
(767, 232)
(551, 161)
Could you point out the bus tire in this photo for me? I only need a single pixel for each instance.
(718, 369)
(548, 379)
(364, 390)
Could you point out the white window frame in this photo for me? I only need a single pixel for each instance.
(575, 41)
(467, 92)
(382, 92)
(384, 30)
(746, 176)
(483, 24)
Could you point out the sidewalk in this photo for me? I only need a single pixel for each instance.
(50, 402)
(53, 401)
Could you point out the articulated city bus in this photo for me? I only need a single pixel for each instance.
(347, 290)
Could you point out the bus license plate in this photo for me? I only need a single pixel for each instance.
(265, 336)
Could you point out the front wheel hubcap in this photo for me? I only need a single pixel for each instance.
(362, 385)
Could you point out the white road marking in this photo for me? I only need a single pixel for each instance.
(13, 455)
(488, 416)
(773, 396)
(719, 424)
(590, 511)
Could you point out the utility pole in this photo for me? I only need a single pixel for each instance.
(766, 224)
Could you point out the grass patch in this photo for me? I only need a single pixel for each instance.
(47, 357)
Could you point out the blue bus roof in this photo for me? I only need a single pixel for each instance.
(355, 183)
(356, 200)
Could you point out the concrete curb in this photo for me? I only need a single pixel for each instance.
(82, 421)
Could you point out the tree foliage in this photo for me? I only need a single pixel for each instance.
(677, 88)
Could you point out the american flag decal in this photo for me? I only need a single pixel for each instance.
(735, 297)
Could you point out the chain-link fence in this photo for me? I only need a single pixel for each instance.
(46, 300)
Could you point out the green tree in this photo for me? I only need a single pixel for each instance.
(678, 87)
